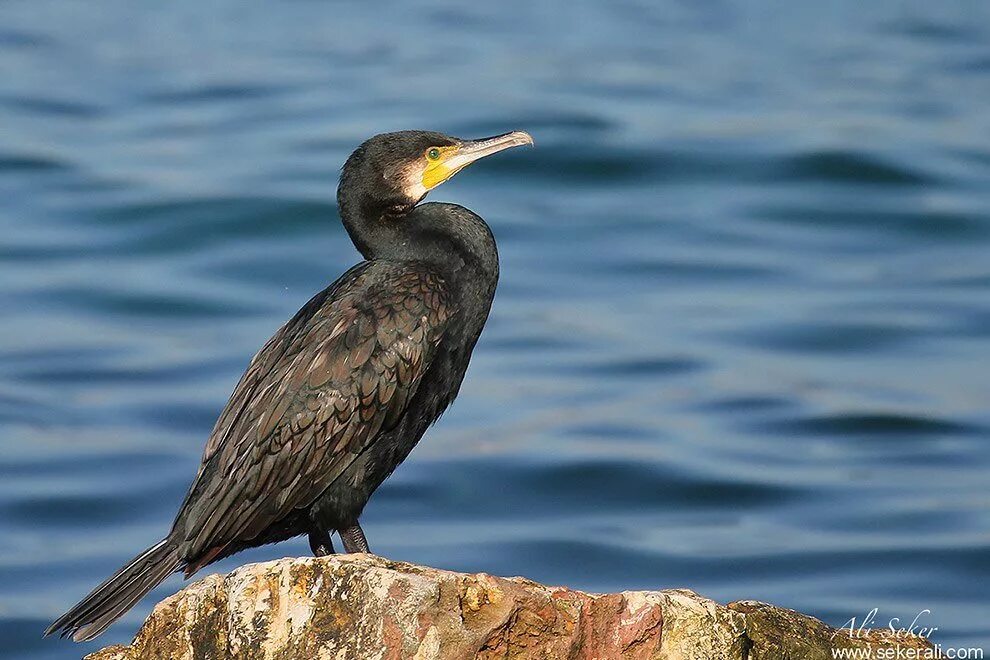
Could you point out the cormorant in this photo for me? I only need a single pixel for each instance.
(340, 395)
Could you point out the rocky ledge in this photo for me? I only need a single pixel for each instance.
(362, 606)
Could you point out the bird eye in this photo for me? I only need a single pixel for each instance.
(433, 153)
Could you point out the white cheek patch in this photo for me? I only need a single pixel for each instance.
(416, 190)
(412, 178)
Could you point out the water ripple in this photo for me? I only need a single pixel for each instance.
(849, 167)
(877, 425)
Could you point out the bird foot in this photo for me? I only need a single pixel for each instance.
(354, 539)
(320, 543)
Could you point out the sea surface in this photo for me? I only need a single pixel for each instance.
(741, 342)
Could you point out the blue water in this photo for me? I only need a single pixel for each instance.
(741, 342)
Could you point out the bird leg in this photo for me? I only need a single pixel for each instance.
(320, 543)
(353, 538)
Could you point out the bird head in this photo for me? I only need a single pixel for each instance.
(396, 170)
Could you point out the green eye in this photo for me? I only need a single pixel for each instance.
(433, 153)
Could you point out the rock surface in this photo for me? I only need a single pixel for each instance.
(362, 606)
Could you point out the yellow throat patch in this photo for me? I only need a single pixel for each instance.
(437, 171)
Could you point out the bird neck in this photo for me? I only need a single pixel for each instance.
(449, 237)
(370, 220)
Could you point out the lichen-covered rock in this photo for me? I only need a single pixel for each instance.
(774, 632)
(362, 606)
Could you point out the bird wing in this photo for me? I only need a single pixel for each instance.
(312, 400)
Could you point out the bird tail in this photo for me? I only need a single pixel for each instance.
(109, 601)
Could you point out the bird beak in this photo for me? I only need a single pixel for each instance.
(468, 151)
(472, 150)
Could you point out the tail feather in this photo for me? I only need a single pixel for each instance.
(109, 601)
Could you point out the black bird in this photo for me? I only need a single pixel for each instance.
(342, 393)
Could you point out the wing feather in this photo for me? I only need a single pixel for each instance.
(313, 399)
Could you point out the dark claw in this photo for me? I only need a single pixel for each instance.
(320, 543)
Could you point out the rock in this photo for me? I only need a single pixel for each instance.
(362, 606)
